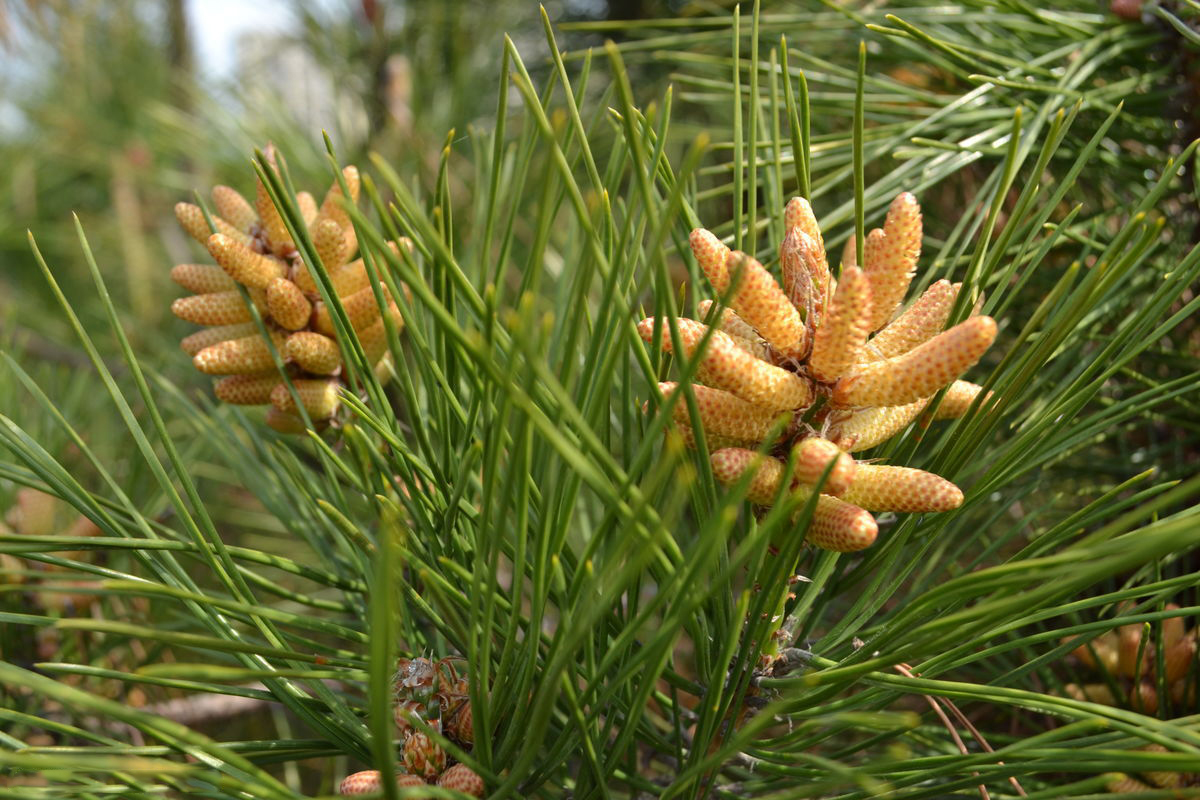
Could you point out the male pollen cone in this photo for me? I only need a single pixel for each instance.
(844, 330)
(812, 457)
(243, 264)
(840, 526)
(722, 413)
(886, 488)
(730, 463)
(712, 255)
(762, 304)
(920, 323)
(921, 371)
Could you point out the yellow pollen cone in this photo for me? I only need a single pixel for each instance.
(202, 278)
(726, 366)
(287, 305)
(237, 356)
(844, 329)
(215, 308)
(712, 255)
(313, 352)
(855, 431)
(232, 206)
(812, 457)
(839, 526)
(222, 333)
(308, 207)
(192, 220)
(921, 371)
(330, 243)
(724, 414)
(958, 399)
(247, 390)
(361, 309)
(758, 300)
(243, 264)
(729, 464)
(878, 487)
(920, 323)
(320, 397)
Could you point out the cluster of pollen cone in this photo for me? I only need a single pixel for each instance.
(438, 695)
(833, 365)
(252, 247)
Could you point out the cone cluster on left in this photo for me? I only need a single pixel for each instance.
(439, 695)
(252, 247)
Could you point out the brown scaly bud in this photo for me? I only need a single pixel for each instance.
(319, 397)
(921, 371)
(222, 333)
(799, 214)
(729, 464)
(844, 331)
(812, 457)
(237, 356)
(920, 323)
(423, 757)
(723, 414)
(243, 264)
(407, 712)
(855, 431)
(758, 300)
(725, 366)
(202, 278)
(1179, 657)
(461, 724)
(462, 778)
(247, 390)
(287, 305)
(807, 281)
(230, 204)
(313, 352)
(712, 255)
(958, 399)
(215, 308)
(885, 488)
(191, 219)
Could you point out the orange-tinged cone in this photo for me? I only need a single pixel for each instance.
(856, 431)
(758, 300)
(232, 206)
(812, 457)
(885, 488)
(921, 371)
(1105, 648)
(370, 782)
(840, 526)
(920, 323)
(725, 366)
(243, 264)
(730, 463)
(724, 414)
(320, 397)
(269, 217)
(313, 352)
(202, 278)
(843, 331)
(237, 356)
(461, 778)
(308, 207)
(209, 336)
(728, 321)
(191, 219)
(247, 390)
(287, 305)
(893, 261)
(714, 442)
(712, 256)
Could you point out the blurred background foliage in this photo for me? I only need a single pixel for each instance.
(111, 111)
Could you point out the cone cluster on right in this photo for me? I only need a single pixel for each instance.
(254, 249)
(822, 367)
(437, 694)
